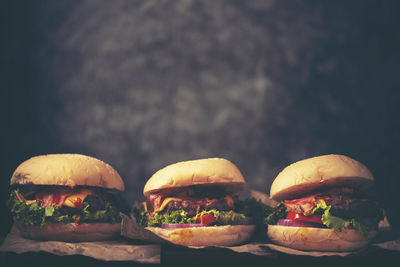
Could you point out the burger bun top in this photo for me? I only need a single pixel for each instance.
(328, 170)
(211, 171)
(67, 170)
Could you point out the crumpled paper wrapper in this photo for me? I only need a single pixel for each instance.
(386, 239)
(130, 229)
(115, 250)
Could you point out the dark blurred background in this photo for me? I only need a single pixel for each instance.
(142, 84)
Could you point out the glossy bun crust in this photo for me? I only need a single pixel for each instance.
(318, 239)
(67, 170)
(71, 232)
(327, 170)
(227, 235)
(211, 171)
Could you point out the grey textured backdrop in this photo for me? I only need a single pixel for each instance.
(142, 84)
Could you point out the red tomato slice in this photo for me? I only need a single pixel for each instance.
(300, 217)
(206, 219)
(78, 203)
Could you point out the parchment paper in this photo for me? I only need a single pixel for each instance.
(118, 250)
(386, 239)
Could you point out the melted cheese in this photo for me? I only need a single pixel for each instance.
(197, 212)
(19, 196)
(73, 200)
(165, 203)
(209, 202)
(22, 199)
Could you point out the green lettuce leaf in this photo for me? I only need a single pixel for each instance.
(49, 211)
(181, 216)
(33, 214)
(363, 225)
(319, 208)
(225, 217)
(140, 215)
(280, 212)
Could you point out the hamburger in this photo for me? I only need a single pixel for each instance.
(66, 197)
(194, 203)
(326, 203)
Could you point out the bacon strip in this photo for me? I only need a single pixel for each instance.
(153, 202)
(56, 198)
(303, 205)
(63, 197)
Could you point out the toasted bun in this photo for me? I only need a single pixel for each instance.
(71, 232)
(328, 170)
(227, 235)
(67, 170)
(318, 239)
(215, 171)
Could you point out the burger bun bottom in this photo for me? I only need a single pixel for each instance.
(226, 235)
(71, 232)
(318, 239)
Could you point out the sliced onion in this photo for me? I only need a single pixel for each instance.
(288, 222)
(181, 225)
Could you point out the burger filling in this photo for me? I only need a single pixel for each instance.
(191, 206)
(40, 205)
(336, 208)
